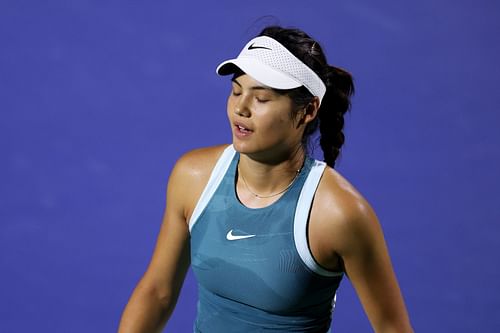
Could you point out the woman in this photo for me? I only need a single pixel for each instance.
(269, 231)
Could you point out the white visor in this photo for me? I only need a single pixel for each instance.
(270, 63)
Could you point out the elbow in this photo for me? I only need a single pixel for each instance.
(153, 294)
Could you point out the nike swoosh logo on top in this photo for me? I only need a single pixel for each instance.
(232, 237)
(252, 47)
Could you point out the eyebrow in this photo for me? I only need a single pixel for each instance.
(253, 87)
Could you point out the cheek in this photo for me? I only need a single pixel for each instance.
(284, 119)
(229, 105)
(279, 125)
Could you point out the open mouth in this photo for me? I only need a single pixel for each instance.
(243, 129)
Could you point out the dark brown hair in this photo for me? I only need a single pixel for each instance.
(339, 89)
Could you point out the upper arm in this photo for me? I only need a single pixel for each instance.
(355, 235)
(171, 257)
(367, 263)
(170, 260)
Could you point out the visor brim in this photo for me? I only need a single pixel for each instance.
(263, 73)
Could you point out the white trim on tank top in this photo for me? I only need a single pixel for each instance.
(301, 211)
(302, 216)
(218, 173)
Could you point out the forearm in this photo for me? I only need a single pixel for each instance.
(146, 312)
(403, 326)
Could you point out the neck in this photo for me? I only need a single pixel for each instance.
(268, 180)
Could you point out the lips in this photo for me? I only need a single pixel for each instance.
(242, 130)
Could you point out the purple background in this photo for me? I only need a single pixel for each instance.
(99, 98)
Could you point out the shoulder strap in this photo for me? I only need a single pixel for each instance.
(213, 183)
(302, 217)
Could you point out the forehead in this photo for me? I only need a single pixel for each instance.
(248, 82)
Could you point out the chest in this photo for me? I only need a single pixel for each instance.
(253, 262)
(258, 257)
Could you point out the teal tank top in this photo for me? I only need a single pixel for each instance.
(254, 269)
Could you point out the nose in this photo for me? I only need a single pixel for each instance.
(240, 112)
(241, 109)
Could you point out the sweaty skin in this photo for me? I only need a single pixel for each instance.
(344, 232)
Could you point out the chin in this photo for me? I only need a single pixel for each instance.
(246, 146)
(241, 147)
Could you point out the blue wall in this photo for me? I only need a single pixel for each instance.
(99, 98)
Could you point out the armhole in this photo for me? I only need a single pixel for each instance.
(213, 183)
(301, 220)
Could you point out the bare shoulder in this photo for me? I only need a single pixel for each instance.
(337, 196)
(342, 216)
(198, 162)
(190, 176)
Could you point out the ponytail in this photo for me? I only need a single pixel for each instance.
(336, 102)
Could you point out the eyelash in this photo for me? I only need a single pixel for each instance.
(260, 100)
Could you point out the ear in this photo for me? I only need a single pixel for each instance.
(311, 110)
